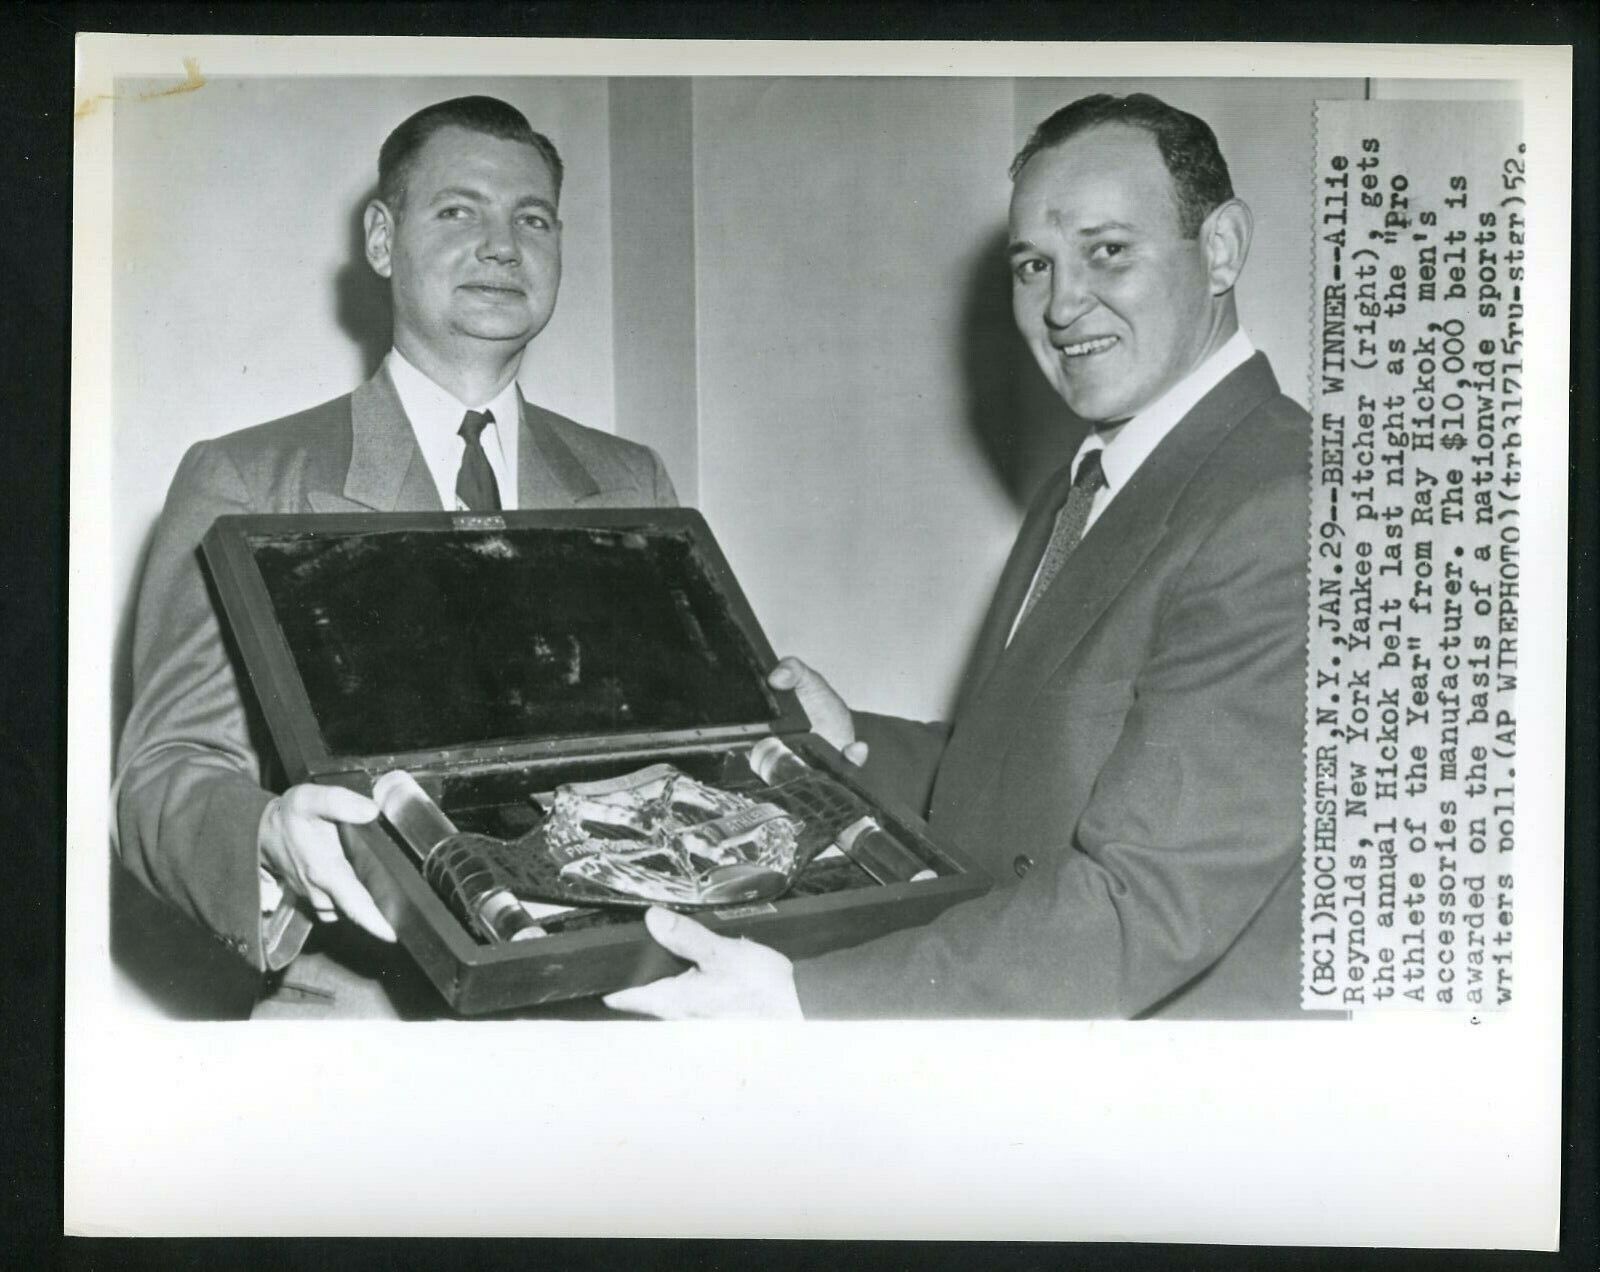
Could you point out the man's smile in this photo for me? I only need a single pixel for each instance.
(492, 290)
(1087, 348)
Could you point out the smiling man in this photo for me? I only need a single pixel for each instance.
(1125, 759)
(465, 227)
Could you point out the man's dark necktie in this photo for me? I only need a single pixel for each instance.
(475, 484)
(1070, 520)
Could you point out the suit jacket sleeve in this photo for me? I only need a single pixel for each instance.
(1185, 836)
(902, 758)
(189, 796)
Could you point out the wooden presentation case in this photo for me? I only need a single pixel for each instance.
(366, 670)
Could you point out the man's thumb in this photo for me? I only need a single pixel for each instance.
(331, 803)
(682, 936)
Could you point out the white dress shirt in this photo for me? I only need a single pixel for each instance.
(1123, 447)
(435, 416)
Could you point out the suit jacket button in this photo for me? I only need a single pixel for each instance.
(1022, 864)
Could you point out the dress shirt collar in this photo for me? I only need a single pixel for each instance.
(435, 414)
(1127, 445)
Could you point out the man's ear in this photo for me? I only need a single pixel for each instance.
(379, 223)
(1225, 237)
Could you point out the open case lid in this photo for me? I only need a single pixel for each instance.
(385, 639)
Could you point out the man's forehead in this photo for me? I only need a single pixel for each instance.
(454, 156)
(1112, 173)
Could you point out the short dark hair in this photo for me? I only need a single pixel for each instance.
(487, 115)
(1188, 147)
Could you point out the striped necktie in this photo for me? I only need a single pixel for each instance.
(1070, 520)
(475, 484)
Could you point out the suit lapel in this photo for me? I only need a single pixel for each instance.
(387, 472)
(1103, 564)
(549, 475)
(1015, 579)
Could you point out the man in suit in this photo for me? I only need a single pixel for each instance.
(1125, 761)
(465, 228)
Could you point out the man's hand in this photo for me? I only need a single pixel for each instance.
(300, 845)
(730, 980)
(830, 718)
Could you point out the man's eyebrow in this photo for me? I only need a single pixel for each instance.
(478, 196)
(1020, 246)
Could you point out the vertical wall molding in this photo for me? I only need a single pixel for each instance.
(653, 271)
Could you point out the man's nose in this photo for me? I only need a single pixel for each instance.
(1069, 297)
(499, 242)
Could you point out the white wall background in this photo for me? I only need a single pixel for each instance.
(845, 315)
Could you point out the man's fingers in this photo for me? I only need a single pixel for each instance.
(730, 978)
(802, 677)
(339, 882)
(662, 999)
(828, 712)
(856, 753)
(683, 936)
(322, 904)
(331, 803)
(672, 997)
(787, 674)
(300, 845)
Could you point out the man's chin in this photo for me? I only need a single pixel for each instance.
(1090, 393)
(501, 332)
(1091, 405)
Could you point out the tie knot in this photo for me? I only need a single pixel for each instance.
(473, 424)
(1090, 476)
